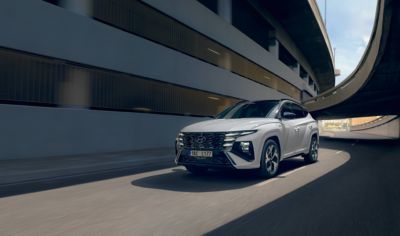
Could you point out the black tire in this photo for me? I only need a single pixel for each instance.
(197, 170)
(270, 158)
(312, 155)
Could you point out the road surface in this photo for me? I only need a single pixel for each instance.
(353, 190)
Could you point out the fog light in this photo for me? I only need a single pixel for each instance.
(245, 146)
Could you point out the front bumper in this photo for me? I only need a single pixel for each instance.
(228, 152)
(220, 159)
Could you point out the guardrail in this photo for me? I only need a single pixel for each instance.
(374, 123)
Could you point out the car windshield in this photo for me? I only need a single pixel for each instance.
(259, 109)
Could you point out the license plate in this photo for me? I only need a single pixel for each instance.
(196, 153)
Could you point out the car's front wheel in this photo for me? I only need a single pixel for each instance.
(196, 170)
(312, 155)
(270, 158)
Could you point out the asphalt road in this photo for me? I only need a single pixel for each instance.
(360, 198)
(352, 190)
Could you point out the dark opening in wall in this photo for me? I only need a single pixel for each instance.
(55, 2)
(286, 57)
(210, 4)
(246, 19)
(310, 81)
(303, 73)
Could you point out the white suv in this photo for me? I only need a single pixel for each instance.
(249, 135)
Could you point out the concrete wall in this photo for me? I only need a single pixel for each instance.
(81, 39)
(197, 16)
(29, 132)
(41, 28)
(391, 129)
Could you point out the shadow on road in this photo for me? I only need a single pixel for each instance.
(359, 198)
(181, 180)
(65, 181)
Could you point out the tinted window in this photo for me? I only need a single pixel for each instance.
(286, 108)
(299, 111)
(259, 109)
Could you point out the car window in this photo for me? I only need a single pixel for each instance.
(227, 110)
(298, 110)
(257, 109)
(286, 107)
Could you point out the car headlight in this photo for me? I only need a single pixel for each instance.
(179, 141)
(245, 146)
(243, 149)
(231, 137)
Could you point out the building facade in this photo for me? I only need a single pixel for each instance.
(94, 76)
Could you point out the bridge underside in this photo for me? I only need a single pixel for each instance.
(380, 95)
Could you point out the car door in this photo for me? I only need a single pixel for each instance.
(289, 133)
(300, 127)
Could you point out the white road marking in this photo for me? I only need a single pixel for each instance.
(266, 182)
(291, 172)
(338, 152)
(281, 175)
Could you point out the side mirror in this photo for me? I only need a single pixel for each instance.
(288, 115)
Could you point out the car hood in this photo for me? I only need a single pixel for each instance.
(225, 125)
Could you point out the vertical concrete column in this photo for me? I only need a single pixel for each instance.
(273, 48)
(225, 10)
(82, 7)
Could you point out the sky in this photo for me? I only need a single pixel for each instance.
(349, 25)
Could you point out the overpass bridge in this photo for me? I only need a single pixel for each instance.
(373, 88)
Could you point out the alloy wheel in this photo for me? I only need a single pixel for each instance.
(314, 149)
(272, 159)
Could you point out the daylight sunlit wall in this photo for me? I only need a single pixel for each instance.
(379, 127)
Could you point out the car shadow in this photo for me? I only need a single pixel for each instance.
(181, 180)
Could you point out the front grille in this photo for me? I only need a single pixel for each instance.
(203, 141)
(219, 159)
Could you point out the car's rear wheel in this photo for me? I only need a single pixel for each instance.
(196, 170)
(312, 155)
(270, 159)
